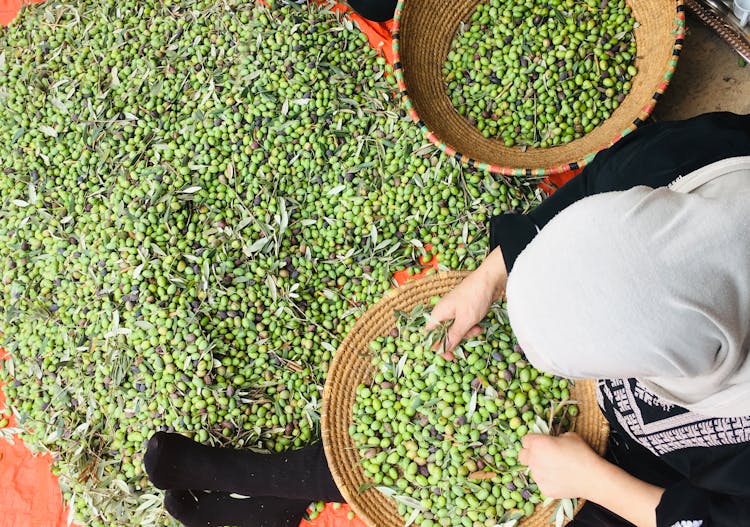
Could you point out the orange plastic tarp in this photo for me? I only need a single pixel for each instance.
(332, 517)
(29, 494)
(9, 9)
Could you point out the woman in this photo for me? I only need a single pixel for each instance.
(647, 288)
(637, 273)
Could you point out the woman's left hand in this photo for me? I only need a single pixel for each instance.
(563, 466)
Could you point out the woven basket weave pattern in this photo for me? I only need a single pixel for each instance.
(423, 33)
(352, 366)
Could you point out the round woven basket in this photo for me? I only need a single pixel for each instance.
(422, 34)
(352, 366)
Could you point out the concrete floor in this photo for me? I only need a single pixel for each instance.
(710, 77)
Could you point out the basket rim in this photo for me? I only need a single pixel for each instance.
(335, 415)
(666, 77)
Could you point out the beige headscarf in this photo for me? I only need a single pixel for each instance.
(646, 283)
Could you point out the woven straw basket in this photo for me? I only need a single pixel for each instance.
(352, 366)
(423, 32)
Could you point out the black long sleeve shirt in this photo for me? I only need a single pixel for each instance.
(703, 463)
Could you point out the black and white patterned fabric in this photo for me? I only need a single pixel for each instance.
(662, 427)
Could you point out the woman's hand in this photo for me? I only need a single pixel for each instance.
(562, 466)
(566, 467)
(469, 301)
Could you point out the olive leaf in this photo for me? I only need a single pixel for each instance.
(412, 517)
(490, 392)
(568, 506)
(400, 365)
(48, 130)
(472, 404)
(336, 190)
(540, 426)
(559, 515)
(8, 434)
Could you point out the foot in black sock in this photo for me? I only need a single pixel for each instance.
(215, 509)
(173, 461)
(168, 462)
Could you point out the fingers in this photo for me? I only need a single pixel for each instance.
(457, 305)
(432, 323)
(529, 440)
(443, 310)
(523, 456)
(458, 332)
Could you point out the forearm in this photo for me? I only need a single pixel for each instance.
(625, 495)
(494, 272)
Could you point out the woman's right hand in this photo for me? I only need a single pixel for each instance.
(469, 301)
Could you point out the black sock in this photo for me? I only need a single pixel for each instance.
(215, 509)
(173, 461)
